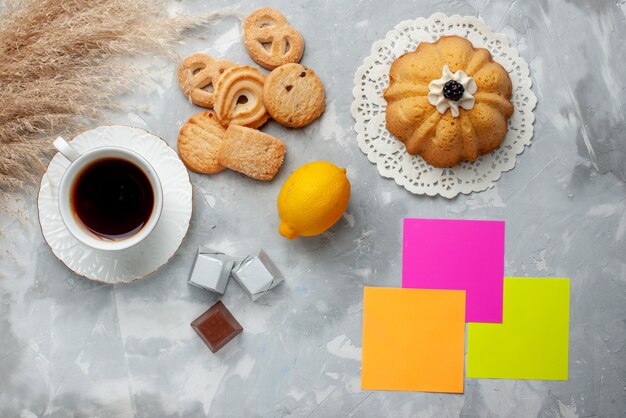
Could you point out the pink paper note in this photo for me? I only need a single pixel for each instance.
(460, 255)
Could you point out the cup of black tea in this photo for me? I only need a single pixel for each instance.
(110, 198)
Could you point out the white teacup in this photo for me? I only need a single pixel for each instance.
(78, 163)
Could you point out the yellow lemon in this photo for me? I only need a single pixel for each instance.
(312, 199)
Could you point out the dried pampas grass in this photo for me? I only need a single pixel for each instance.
(60, 66)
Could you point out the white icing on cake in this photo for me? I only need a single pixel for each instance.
(437, 99)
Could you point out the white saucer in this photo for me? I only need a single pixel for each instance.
(154, 251)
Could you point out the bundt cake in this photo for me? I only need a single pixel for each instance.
(448, 101)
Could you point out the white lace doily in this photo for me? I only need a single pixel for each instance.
(389, 154)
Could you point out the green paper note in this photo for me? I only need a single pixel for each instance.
(532, 341)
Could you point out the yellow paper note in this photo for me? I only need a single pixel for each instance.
(413, 339)
(532, 340)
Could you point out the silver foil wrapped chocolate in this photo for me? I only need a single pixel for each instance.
(257, 275)
(211, 270)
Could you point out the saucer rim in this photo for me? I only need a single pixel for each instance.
(147, 275)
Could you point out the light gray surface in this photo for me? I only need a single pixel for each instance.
(68, 345)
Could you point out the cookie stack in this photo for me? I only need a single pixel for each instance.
(243, 98)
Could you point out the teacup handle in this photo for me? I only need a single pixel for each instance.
(66, 149)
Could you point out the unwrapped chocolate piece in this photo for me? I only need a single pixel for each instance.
(257, 275)
(211, 270)
(216, 326)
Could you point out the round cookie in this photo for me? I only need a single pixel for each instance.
(238, 98)
(270, 40)
(199, 143)
(199, 71)
(293, 95)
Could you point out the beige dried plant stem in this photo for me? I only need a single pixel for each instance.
(60, 67)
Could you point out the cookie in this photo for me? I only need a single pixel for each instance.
(198, 72)
(199, 142)
(293, 95)
(270, 40)
(251, 152)
(238, 97)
